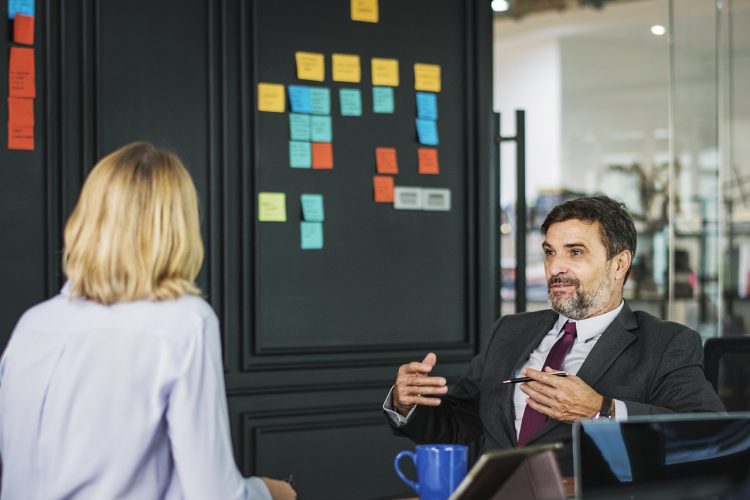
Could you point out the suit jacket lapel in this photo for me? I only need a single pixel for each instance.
(613, 341)
(526, 343)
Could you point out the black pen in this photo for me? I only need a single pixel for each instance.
(290, 480)
(529, 379)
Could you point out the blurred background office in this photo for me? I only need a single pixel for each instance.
(641, 99)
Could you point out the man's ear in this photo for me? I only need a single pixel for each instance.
(622, 261)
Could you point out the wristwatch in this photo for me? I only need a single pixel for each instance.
(606, 410)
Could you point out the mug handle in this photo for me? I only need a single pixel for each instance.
(408, 481)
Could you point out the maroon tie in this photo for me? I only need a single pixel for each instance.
(533, 420)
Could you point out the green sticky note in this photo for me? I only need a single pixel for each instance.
(299, 154)
(311, 235)
(382, 99)
(320, 129)
(272, 207)
(350, 102)
(320, 98)
(299, 127)
(312, 207)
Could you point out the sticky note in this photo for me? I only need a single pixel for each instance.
(320, 129)
(386, 160)
(364, 10)
(407, 198)
(322, 155)
(382, 100)
(427, 132)
(21, 111)
(271, 97)
(21, 81)
(311, 235)
(23, 29)
(272, 207)
(427, 160)
(436, 199)
(310, 66)
(384, 71)
(427, 77)
(25, 7)
(427, 105)
(299, 127)
(320, 99)
(346, 68)
(299, 154)
(299, 99)
(350, 102)
(312, 207)
(20, 137)
(383, 185)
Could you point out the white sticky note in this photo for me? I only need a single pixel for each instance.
(407, 198)
(436, 199)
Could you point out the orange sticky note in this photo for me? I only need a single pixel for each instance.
(21, 111)
(20, 137)
(386, 160)
(23, 29)
(383, 188)
(21, 75)
(428, 161)
(322, 155)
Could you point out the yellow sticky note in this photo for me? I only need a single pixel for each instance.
(385, 72)
(310, 66)
(271, 97)
(346, 68)
(272, 207)
(365, 10)
(427, 77)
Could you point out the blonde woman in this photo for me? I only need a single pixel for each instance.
(114, 388)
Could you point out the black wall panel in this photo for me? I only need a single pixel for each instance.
(304, 391)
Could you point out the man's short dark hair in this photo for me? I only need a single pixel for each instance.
(615, 224)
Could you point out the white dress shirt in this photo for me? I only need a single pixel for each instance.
(588, 331)
(123, 401)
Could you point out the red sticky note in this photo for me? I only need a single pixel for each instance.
(23, 29)
(386, 160)
(428, 161)
(322, 155)
(20, 137)
(21, 75)
(21, 111)
(383, 188)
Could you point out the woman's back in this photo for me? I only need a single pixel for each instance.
(119, 401)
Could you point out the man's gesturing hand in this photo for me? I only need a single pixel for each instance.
(413, 385)
(567, 399)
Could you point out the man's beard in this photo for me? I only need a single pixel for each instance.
(583, 303)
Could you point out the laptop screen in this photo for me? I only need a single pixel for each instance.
(666, 456)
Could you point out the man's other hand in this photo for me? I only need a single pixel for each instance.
(280, 490)
(414, 386)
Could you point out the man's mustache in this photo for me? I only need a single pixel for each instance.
(562, 280)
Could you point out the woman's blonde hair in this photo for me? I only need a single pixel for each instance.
(134, 233)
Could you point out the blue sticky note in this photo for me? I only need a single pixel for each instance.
(321, 100)
(427, 132)
(320, 129)
(350, 102)
(311, 235)
(299, 99)
(299, 127)
(427, 105)
(25, 7)
(312, 207)
(382, 99)
(299, 154)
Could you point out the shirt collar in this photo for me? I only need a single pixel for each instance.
(589, 328)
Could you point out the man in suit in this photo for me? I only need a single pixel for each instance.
(619, 363)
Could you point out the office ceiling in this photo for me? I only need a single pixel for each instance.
(520, 8)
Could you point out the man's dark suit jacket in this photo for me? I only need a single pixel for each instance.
(653, 366)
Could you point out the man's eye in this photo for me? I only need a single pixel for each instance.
(548, 253)
(576, 252)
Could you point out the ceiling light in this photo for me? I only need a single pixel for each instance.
(500, 5)
(658, 29)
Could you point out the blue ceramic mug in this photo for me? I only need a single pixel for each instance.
(440, 469)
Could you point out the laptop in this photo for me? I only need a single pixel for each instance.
(689, 456)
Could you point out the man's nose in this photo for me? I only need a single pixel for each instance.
(556, 266)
